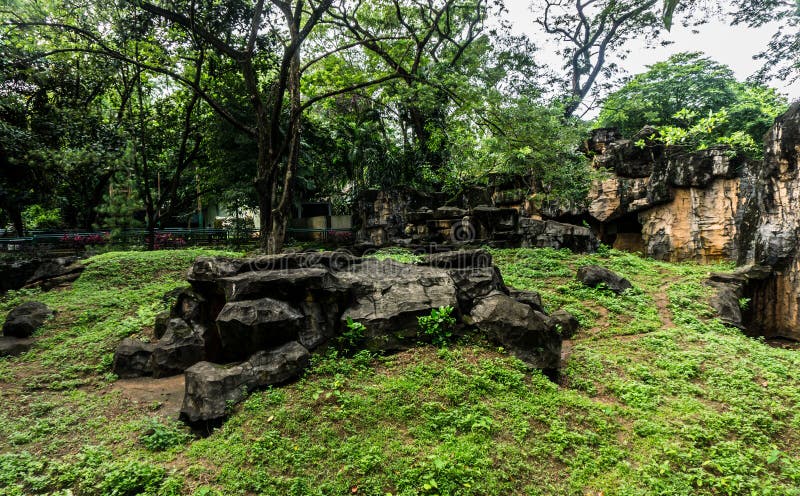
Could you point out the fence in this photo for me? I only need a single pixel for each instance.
(69, 242)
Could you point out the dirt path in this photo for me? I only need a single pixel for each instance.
(163, 395)
(662, 304)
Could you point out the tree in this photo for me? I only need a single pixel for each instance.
(684, 81)
(694, 100)
(782, 58)
(592, 30)
(60, 145)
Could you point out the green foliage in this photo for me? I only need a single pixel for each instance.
(696, 102)
(39, 217)
(157, 436)
(354, 333)
(439, 325)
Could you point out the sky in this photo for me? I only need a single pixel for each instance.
(733, 46)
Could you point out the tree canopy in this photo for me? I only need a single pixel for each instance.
(689, 93)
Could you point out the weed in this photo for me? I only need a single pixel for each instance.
(439, 325)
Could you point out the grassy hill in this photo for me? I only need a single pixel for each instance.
(657, 398)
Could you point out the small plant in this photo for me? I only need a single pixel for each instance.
(161, 437)
(438, 325)
(354, 334)
(744, 303)
(603, 250)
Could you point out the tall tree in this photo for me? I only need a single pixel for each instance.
(591, 31)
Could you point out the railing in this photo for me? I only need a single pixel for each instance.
(71, 241)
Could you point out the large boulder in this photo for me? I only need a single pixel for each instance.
(594, 275)
(530, 298)
(181, 347)
(520, 329)
(133, 358)
(474, 283)
(247, 326)
(564, 323)
(211, 389)
(24, 319)
(388, 298)
(56, 272)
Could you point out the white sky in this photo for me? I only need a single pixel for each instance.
(733, 46)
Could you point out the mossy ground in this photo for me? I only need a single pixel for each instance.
(657, 397)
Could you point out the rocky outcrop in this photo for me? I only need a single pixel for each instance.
(211, 389)
(669, 203)
(261, 317)
(24, 319)
(413, 219)
(770, 230)
(45, 273)
(520, 329)
(14, 346)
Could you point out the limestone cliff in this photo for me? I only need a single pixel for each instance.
(668, 203)
(770, 227)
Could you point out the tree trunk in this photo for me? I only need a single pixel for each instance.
(16, 219)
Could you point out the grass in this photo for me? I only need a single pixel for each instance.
(657, 397)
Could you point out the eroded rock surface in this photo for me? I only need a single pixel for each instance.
(261, 317)
(669, 203)
(770, 231)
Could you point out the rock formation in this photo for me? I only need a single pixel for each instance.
(668, 203)
(45, 273)
(411, 218)
(263, 316)
(24, 319)
(770, 228)
(594, 276)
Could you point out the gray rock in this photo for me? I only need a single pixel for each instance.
(132, 358)
(530, 298)
(461, 259)
(550, 234)
(521, 330)
(594, 275)
(24, 319)
(389, 296)
(290, 285)
(160, 325)
(181, 347)
(189, 306)
(564, 323)
(248, 326)
(14, 274)
(449, 213)
(725, 302)
(212, 389)
(14, 346)
(475, 283)
(56, 271)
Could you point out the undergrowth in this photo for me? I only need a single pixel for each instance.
(657, 397)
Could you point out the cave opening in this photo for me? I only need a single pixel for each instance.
(624, 233)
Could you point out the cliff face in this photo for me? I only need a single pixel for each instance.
(770, 225)
(669, 204)
(712, 205)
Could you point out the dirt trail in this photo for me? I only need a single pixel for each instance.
(166, 394)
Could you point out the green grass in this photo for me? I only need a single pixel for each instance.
(657, 397)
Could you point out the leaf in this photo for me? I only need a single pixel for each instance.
(669, 9)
